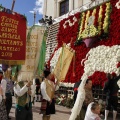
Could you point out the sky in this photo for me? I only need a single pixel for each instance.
(26, 7)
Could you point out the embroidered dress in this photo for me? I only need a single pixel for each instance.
(3, 113)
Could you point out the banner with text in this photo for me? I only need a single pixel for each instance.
(63, 62)
(33, 46)
(12, 38)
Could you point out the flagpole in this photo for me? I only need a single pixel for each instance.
(34, 17)
(13, 3)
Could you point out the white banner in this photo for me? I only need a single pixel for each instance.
(33, 46)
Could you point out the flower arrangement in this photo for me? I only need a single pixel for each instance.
(100, 28)
(65, 35)
(61, 99)
(90, 31)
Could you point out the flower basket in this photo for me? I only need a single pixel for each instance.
(89, 41)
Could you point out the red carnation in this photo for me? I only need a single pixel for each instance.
(113, 74)
(118, 65)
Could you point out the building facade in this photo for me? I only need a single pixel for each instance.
(58, 8)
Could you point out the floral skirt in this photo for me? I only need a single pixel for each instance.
(3, 113)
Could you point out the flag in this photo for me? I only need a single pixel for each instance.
(63, 63)
(42, 55)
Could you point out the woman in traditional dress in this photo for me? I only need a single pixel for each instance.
(3, 112)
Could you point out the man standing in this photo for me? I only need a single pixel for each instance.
(47, 91)
(75, 88)
(37, 96)
(24, 96)
(111, 89)
(9, 91)
(87, 101)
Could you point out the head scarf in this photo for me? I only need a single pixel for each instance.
(90, 115)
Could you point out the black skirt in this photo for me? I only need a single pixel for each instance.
(50, 107)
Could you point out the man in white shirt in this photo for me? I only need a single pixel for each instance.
(47, 91)
(24, 96)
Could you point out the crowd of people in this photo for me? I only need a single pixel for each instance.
(6, 92)
(26, 92)
(91, 108)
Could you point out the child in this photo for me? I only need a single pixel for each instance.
(93, 111)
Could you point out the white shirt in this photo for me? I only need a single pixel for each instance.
(21, 91)
(3, 85)
(44, 92)
(33, 88)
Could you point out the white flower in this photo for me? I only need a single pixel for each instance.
(118, 83)
(118, 5)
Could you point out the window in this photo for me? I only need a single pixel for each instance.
(64, 7)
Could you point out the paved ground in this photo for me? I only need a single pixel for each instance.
(62, 113)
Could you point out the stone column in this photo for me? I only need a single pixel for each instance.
(55, 9)
(58, 8)
(45, 8)
(80, 3)
(71, 5)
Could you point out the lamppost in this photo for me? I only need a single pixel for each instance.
(34, 17)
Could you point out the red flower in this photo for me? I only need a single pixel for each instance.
(113, 74)
(118, 65)
(65, 35)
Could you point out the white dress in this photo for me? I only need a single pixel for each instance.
(90, 115)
